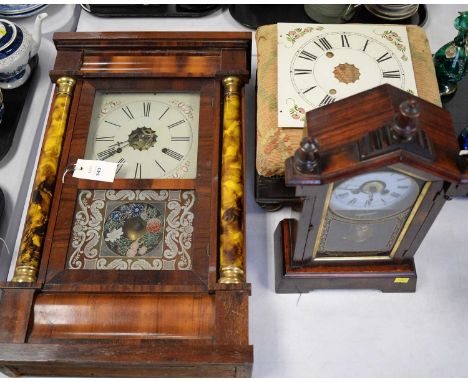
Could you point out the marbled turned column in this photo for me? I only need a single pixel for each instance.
(29, 256)
(232, 235)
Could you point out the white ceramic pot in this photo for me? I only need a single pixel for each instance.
(17, 46)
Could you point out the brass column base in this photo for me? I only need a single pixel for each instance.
(231, 275)
(24, 274)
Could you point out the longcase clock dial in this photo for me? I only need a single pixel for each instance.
(149, 135)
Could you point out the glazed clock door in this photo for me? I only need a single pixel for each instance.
(152, 224)
(320, 64)
(367, 214)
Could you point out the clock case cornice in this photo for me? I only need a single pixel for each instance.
(102, 54)
(339, 127)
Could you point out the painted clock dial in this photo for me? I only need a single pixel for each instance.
(376, 195)
(320, 64)
(366, 214)
(149, 135)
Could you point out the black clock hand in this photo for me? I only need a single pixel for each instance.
(353, 190)
(112, 150)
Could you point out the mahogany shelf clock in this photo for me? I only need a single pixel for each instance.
(372, 174)
(144, 276)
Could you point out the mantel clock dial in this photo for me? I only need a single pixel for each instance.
(366, 214)
(375, 195)
(320, 64)
(149, 135)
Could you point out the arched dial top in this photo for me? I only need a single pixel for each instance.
(372, 196)
(149, 135)
(321, 64)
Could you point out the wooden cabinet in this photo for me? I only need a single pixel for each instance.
(144, 276)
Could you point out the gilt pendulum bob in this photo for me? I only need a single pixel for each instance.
(372, 173)
(145, 275)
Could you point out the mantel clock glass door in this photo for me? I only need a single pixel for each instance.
(319, 64)
(149, 135)
(366, 215)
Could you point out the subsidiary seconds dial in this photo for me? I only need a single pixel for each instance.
(375, 195)
(149, 135)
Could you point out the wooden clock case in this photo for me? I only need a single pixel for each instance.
(353, 139)
(135, 323)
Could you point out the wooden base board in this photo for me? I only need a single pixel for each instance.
(143, 360)
(47, 333)
(291, 278)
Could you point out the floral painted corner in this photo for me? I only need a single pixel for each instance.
(293, 35)
(295, 112)
(396, 40)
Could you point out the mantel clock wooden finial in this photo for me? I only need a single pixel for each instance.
(406, 121)
(306, 157)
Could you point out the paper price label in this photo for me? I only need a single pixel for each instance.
(401, 280)
(95, 170)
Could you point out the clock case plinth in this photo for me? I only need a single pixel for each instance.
(142, 323)
(340, 129)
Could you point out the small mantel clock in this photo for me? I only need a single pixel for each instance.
(143, 276)
(373, 173)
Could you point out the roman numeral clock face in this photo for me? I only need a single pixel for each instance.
(320, 64)
(149, 135)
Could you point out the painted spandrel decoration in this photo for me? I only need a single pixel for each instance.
(132, 230)
(451, 59)
(319, 64)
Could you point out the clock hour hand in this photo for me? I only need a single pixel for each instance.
(353, 190)
(112, 150)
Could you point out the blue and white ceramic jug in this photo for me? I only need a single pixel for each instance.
(17, 46)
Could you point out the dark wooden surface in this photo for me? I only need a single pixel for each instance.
(135, 323)
(456, 105)
(141, 360)
(13, 101)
